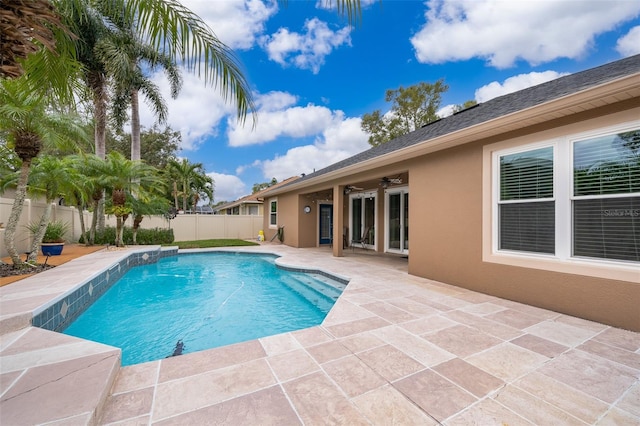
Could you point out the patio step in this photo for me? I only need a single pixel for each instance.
(52, 377)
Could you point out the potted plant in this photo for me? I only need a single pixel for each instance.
(53, 240)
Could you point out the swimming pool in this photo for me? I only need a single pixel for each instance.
(192, 302)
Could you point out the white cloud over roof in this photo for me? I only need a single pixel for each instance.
(228, 187)
(513, 84)
(505, 31)
(280, 119)
(629, 44)
(341, 139)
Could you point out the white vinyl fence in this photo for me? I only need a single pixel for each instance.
(186, 227)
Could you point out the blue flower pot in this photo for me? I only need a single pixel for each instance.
(51, 249)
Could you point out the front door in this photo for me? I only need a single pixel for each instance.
(326, 223)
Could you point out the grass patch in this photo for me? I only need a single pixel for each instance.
(212, 243)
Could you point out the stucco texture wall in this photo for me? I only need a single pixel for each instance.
(446, 245)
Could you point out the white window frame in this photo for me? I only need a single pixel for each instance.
(562, 260)
(496, 192)
(271, 214)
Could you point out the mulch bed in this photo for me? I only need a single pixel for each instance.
(9, 270)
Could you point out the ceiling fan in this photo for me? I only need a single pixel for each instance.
(385, 181)
(351, 188)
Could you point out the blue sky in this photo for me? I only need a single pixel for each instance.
(313, 77)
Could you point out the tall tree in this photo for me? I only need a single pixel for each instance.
(190, 179)
(411, 108)
(27, 120)
(466, 105)
(124, 55)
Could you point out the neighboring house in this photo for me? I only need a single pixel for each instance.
(533, 196)
(252, 204)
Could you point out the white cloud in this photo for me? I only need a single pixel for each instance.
(513, 84)
(305, 50)
(196, 112)
(227, 187)
(292, 121)
(274, 101)
(629, 44)
(237, 23)
(342, 139)
(446, 111)
(504, 31)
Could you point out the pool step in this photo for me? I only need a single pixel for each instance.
(52, 377)
(322, 295)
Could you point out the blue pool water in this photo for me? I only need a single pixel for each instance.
(204, 300)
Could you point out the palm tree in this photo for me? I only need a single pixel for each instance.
(122, 55)
(168, 27)
(123, 177)
(26, 28)
(149, 206)
(50, 177)
(28, 122)
(192, 179)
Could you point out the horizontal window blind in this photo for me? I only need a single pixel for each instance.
(527, 227)
(527, 175)
(607, 165)
(607, 228)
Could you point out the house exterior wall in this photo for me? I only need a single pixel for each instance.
(309, 222)
(289, 211)
(448, 234)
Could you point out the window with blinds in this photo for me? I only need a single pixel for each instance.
(606, 197)
(526, 206)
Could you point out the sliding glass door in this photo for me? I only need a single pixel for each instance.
(397, 220)
(362, 217)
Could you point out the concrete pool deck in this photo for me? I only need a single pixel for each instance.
(395, 349)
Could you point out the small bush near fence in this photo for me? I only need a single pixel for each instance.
(145, 236)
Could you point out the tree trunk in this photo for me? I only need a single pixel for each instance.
(175, 193)
(137, 219)
(94, 222)
(119, 232)
(83, 227)
(184, 197)
(97, 82)
(37, 238)
(16, 211)
(135, 126)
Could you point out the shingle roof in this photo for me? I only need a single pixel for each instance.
(495, 108)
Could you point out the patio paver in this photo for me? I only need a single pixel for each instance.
(395, 349)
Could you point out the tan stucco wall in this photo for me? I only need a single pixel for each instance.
(446, 223)
(287, 217)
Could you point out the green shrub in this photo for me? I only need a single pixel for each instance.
(155, 236)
